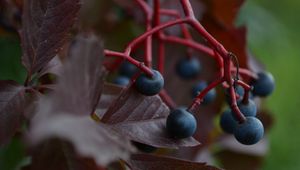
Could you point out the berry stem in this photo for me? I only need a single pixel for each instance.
(167, 99)
(148, 44)
(197, 101)
(244, 72)
(138, 64)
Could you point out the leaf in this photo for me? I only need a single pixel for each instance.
(90, 139)
(109, 94)
(142, 119)
(152, 132)
(12, 104)
(59, 155)
(65, 113)
(233, 39)
(53, 67)
(45, 28)
(152, 162)
(236, 161)
(225, 12)
(80, 83)
(133, 106)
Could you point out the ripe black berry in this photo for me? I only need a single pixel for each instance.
(248, 109)
(264, 85)
(188, 68)
(181, 124)
(127, 69)
(121, 80)
(209, 97)
(227, 122)
(149, 86)
(249, 132)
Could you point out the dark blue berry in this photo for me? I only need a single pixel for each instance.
(127, 69)
(181, 124)
(248, 109)
(239, 91)
(264, 85)
(227, 122)
(144, 147)
(188, 68)
(121, 80)
(149, 86)
(209, 97)
(249, 132)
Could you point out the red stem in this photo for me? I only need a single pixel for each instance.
(138, 64)
(167, 99)
(148, 44)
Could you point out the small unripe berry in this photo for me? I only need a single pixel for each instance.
(181, 123)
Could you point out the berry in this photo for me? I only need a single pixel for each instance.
(188, 68)
(227, 122)
(149, 86)
(240, 91)
(248, 109)
(127, 69)
(264, 85)
(181, 123)
(122, 81)
(209, 97)
(249, 132)
(144, 147)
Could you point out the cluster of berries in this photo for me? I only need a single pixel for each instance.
(182, 124)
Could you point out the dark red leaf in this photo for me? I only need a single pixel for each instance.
(152, 162)
(133, 106)
(44, 30)
(80, 83)
(65, 113)
(225, 12)
(59, 155)
(142, 119)
(109, 94)
(233, 39)
(12, 104)
(152, 132)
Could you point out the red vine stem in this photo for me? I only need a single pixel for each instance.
(148, 44)
(139, 65)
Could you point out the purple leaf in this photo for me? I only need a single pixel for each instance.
(80, 83)
(65, 113)
(12, 104)
(44, 30)
(90, 139)
(59, 155)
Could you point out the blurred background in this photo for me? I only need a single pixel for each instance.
(273, 36)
